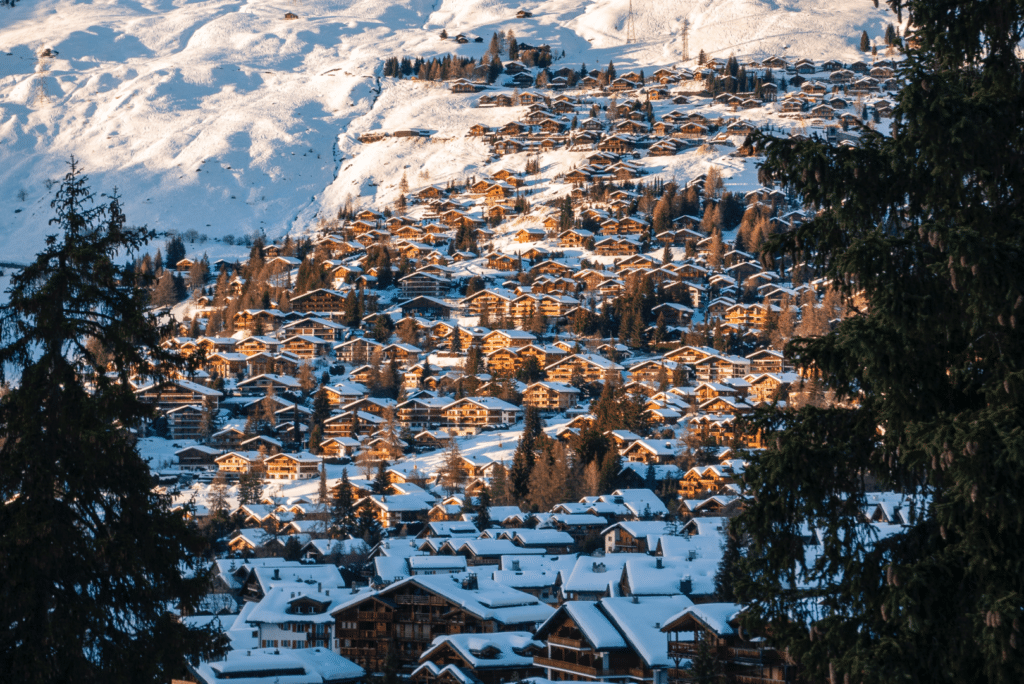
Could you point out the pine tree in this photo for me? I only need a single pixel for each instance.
(218, 499)
(522, 467)
(923, 227)
(250, 487)
(591, 483)
(323, 501)
(382, 482)
(453, 472)
(716, 251)
(91, 557)
(500, 486)
(705, 667)
(165, 293)
(865, 42)
(368, 528)
(343, 509)
(727, 573)
(482, 519)
(611, 465)
(175, 251)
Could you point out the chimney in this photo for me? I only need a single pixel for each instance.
(277, 573)
(515, 565)
(319, 587)
(658, 563)
(636, 599)
(686, 585)
(293, 594)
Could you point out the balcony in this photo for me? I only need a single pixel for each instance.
(420, 600)
(578, 668)
(566, 641)
(683, 649)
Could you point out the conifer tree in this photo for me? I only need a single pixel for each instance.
(343, 509)
(865, 42)
(611, 464)
(500, 486)
(483, 510)
(924, 227)
(250, 487)
(91, 557)
(453, 472)
(382, 482)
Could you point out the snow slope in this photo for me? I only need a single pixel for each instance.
(222, 116)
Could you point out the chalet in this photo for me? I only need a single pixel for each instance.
(462, 658)
(302, 466)
(321, 301)
(530, 234)
(197, 457)
(268, 383)
(306, 346)
(322, 328)
(743, 660)
(357, 350)
(186, 422)
(502, 262)
(499, 339)
(235, 463)
(616, 246)
(585, 367)
(470, 414)
(609, 640)
(656, 451)
(551, 396)
(175, 393)
(410, 614)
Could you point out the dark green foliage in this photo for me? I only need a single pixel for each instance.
(483, 510)
(705, 667)
(927, 226)
(343, 509)
(250, 488)
(367, 526)
(728, 570)
(321, 407)
(91, 558)
(530, 371)
(865, 42)
(175, 251)
(383, 327)
(381, 483)
(611, 466)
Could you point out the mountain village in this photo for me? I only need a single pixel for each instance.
(494, 431)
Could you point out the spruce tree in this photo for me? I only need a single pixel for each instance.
(925, 226)
(611, 464)
(865, 42)
(483, 510)
(727, 573)
(91, 558)
(381, 482)
(343, 509)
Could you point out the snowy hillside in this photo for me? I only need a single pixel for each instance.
(224, 117)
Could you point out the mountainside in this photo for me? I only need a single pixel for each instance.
(225, 117)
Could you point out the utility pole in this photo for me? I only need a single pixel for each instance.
(686, 40)
(630, 25)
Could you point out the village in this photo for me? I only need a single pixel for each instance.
(504, 420)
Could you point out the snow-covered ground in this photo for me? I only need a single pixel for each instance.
(223, 117)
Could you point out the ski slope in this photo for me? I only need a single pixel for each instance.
(224, 117)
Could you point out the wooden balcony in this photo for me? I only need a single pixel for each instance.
(756, 679)
(420, 600)
(683, 649)
(566, 641)
(578, 668)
